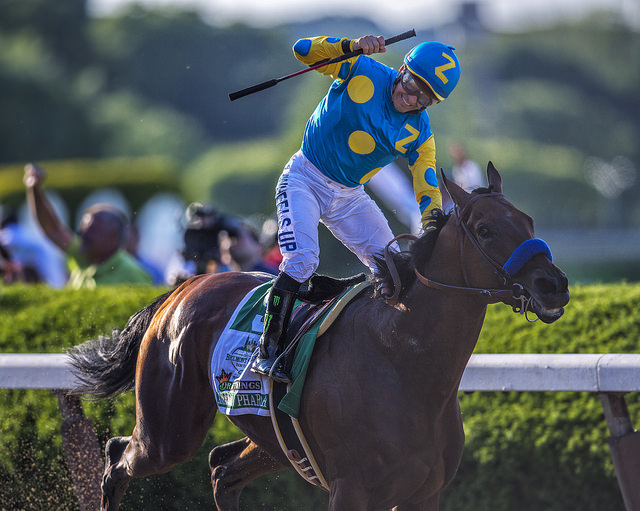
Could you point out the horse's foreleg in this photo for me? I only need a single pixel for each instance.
(233, 466)
(115, 479)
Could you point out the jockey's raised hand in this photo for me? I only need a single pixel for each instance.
(369, 44)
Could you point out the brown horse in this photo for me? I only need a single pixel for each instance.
(379, 407)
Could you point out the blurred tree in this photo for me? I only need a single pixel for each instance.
(61, 25)
(576, 85)
(134, 126)
(142, 82)
(41, 117)
(174, 58)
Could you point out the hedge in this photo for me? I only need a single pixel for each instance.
(523, 451)
(532, 451)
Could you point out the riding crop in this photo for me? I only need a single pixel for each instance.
(317, 65)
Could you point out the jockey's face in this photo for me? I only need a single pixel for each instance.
(408, 95)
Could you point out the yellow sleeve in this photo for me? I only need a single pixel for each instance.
(311, 50)
(425, 180)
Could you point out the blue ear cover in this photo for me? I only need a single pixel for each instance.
(524, 252)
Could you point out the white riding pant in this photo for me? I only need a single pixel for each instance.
(305, 197)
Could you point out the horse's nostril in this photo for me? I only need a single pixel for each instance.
(546, 286)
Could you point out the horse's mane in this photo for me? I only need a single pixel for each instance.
(419, 252)
(404, 261)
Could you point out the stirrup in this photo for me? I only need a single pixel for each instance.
(269, 367)
(262, 365)
(280, 375)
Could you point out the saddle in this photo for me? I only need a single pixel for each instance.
(316, 296)
(323, 287)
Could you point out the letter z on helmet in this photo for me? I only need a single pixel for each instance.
(437, 65)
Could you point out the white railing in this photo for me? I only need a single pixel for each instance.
(485, 372)
(553, 373)
(35, 371)
(611, 376)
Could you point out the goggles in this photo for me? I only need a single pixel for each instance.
(411, 87)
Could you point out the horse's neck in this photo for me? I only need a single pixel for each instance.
(449, 322)
(446, 326)
(445, 263)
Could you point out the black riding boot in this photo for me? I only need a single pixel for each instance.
(276, 319)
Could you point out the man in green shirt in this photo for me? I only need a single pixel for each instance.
(96, 256)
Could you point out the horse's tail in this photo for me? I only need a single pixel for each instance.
(105, 367)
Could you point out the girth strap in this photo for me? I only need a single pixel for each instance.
(292, 440)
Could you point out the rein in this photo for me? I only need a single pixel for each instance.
(395, 277)
(516, 261)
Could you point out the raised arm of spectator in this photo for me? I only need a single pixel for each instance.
(42, 210)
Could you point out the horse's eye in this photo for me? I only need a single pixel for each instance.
(483, 232)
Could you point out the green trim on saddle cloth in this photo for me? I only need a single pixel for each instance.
(255, 306)
(290, 403)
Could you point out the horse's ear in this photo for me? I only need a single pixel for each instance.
(457, 194)
(494, 179)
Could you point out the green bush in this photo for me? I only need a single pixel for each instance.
(544, 450)
(523, 451)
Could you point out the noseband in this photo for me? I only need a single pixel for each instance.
(519, 257)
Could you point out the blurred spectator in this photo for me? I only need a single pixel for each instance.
(201, 252)
(178, 269)
(11, 271)
(202, 237)
(132, 245)
(393, 187)
(244, 251)
(269, 242)
(33, 258)
(215, 242)
(96, 255)
(466, 172)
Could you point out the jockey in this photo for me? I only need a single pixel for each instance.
(371, 115)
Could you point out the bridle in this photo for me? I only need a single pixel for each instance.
(512, 291)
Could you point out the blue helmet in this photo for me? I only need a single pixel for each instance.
(437, 65)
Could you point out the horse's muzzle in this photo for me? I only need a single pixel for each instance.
(546, 315)
(549, 294)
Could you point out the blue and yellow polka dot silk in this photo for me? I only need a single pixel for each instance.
(355, 129)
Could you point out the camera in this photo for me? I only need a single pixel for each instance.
(203, 227)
